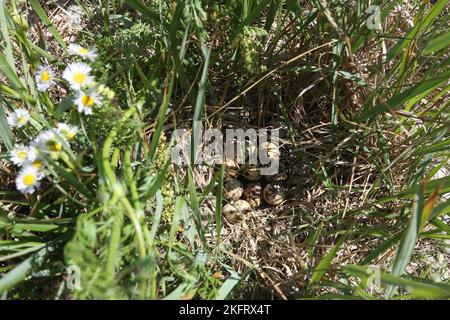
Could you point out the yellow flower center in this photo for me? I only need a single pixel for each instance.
(45, 76)
(22, 154)
(37, 164)
(68, 134)
(79, 77)
(83, 50)
(87, 100)
(54, 145)
(22, 120)
(29, 179)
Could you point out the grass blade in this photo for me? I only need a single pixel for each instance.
(5, 131)
(46, 21)
(325, 263)
(409, 240)
(397, 101)
(437, 44)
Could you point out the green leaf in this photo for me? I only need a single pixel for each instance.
(74, 181)
(18, 226)
(409, 239)
(179, 206)
(219, 196)
(46, 21)
(381, 248)
(437, 44)
(184, 291)
(5, 131)
(195, 207)
(156, 217)
(293, 5)
(325, 263)
(418, 28)
(442, 183)
(355, 78)
(139, 6)
(6, 39)
(13, 78)
(256, 12)
(399, 100)
(162, 116)
(149, 189)
(21, 271)
(441, 225)
(63, 106)
(419, 288)
(437, 147)
(228, 285)
(199, 105)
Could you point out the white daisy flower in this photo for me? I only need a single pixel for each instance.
(77, 50)
(37, 163)
(19, 118)
(28, 179)
(66, 131)
(44, 78)
(50, 143)
(21, 154)
(48, 140)
(33, 152)
(77, 74)
(85, 101)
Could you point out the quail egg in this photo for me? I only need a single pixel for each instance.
(235, 212)
(273, 194)
(231, 168)
(232, 189)
(251, 172)
(253, 194)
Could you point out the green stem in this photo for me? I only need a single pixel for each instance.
(115, 157)
(114, 243)
(107, 149)
(134, 219)
(130, 178)
(117, 189)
